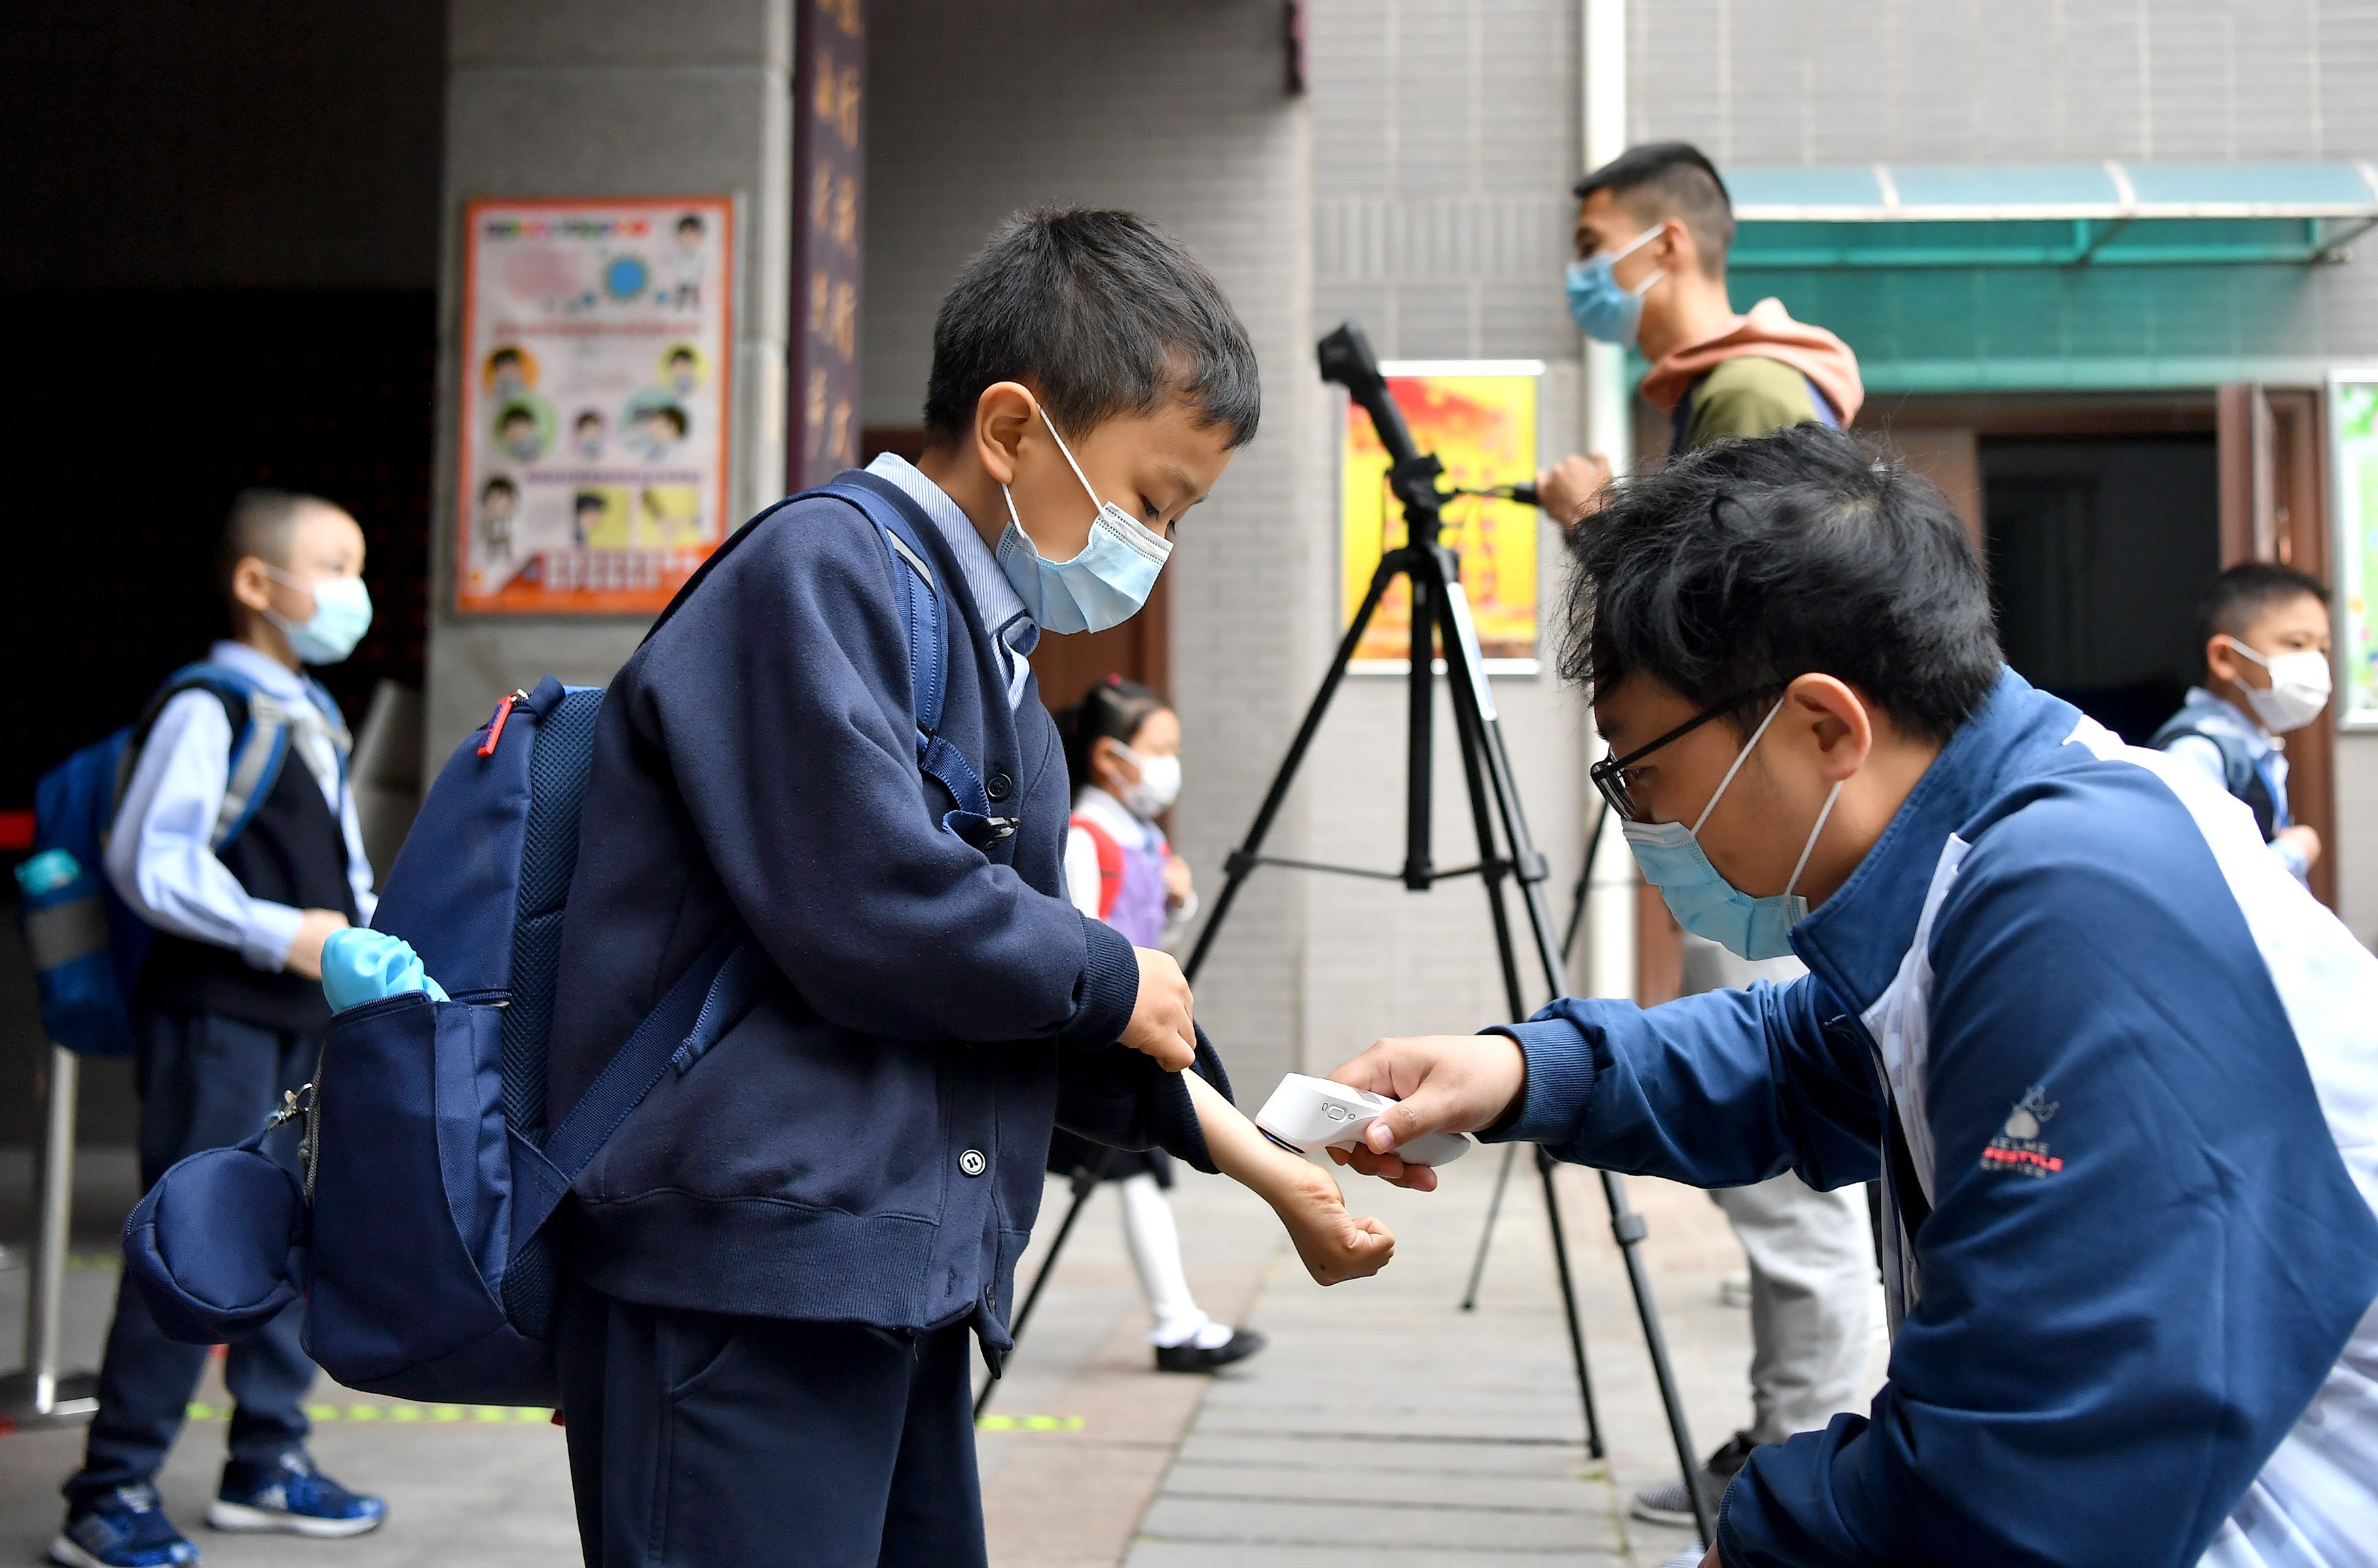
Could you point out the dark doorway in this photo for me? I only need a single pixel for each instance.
(2098, 548)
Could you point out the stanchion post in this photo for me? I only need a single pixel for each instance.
(41, 1393)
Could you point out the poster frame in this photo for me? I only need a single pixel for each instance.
(1392, 369)
(2356, 635)
(619, 604)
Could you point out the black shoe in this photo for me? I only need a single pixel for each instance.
(1189, 1356)
(1666, 1503)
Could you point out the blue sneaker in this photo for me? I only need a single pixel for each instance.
(290, 1494)
(124, 1528)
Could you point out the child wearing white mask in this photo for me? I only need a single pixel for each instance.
(2266, 634)
(1123, 746)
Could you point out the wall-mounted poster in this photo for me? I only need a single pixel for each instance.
(1479, 417)
(597, 337)
(2353, 485)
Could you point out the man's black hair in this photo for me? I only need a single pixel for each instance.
(1748, 563)
(2242, 594)
(1660, 180)
(1101, 313)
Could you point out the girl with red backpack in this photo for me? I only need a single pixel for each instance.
(1122, 749)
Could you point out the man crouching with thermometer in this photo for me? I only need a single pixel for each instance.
(2117, 1070)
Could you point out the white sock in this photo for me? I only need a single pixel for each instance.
(1155, 1243)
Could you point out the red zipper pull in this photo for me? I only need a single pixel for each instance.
(496, 725)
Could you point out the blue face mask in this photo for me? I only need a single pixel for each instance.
(1707, 904)
(1604, 311)
(342, 613)
(1104, 585)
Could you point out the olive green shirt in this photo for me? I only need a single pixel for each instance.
(1746, 397)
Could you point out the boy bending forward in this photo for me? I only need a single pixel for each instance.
(777, 1264)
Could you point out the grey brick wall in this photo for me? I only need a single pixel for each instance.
(1177, 109)
(1445, 141)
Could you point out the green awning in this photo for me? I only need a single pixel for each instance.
(1898, 216)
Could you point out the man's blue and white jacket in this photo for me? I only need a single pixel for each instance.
(2137, 1068)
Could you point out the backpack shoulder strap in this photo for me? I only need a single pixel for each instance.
(260, 741)
(1110, 862)
(2240, 772)
(925, 610)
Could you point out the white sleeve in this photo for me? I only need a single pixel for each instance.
(160, 854)
(1082, 881)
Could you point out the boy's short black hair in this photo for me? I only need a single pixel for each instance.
(498, 483)
(589, 501)
(1748, 563)
(1660, 180)
(2241, 594)
(1101, 313)
(262, 522)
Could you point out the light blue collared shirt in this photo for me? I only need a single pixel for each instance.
(160, 854)
(995, 598)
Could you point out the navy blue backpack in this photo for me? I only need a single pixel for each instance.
(86, 944)
(416, 1229)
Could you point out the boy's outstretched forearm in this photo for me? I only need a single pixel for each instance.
(1334, 1245)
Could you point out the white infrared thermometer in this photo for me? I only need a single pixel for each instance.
(1313, 1113)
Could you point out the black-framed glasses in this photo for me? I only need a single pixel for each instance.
(1610, 775)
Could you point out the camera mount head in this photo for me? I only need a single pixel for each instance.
(1347, 360)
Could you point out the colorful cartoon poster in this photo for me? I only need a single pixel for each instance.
(597, 337)
(2353, 484)
(1480, 419)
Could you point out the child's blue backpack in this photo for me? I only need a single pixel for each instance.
(428, 1166)
(86, 944)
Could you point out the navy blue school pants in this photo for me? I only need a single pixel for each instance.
(206, 1082)
(698, 1440)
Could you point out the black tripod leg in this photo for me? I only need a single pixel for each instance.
(1568, 1300)
(1628, 1228)
(1584, 881)
(1086, 1182)
(1624, 1224)
(1486, 1236)
(1241, 862)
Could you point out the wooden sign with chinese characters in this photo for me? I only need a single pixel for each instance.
(830, 73)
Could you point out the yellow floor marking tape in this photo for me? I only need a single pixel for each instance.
(504, 1414)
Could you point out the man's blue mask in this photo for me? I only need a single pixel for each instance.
(1104, 585)
(1707, 904)
(1606, 311)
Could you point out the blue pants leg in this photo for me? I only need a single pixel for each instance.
(206, 1082)
(697, 1439)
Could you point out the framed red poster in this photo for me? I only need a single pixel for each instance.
(596, 340)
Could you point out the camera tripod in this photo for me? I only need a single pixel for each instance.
(1440, 612)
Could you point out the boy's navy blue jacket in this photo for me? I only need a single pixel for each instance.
(867, 1143)
(2135, 1068)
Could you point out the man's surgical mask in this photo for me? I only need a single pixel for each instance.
(2299, 689)
(1707, 904)
(342, 613)
(1605, 310)
(1159, 786)
(1104, 585)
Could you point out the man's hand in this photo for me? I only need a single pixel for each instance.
(2308, 838)
(1573, 489)
(306, 953)
(1161, 1020)
(1442, 1083)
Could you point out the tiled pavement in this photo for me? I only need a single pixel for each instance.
(1382, 1425)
